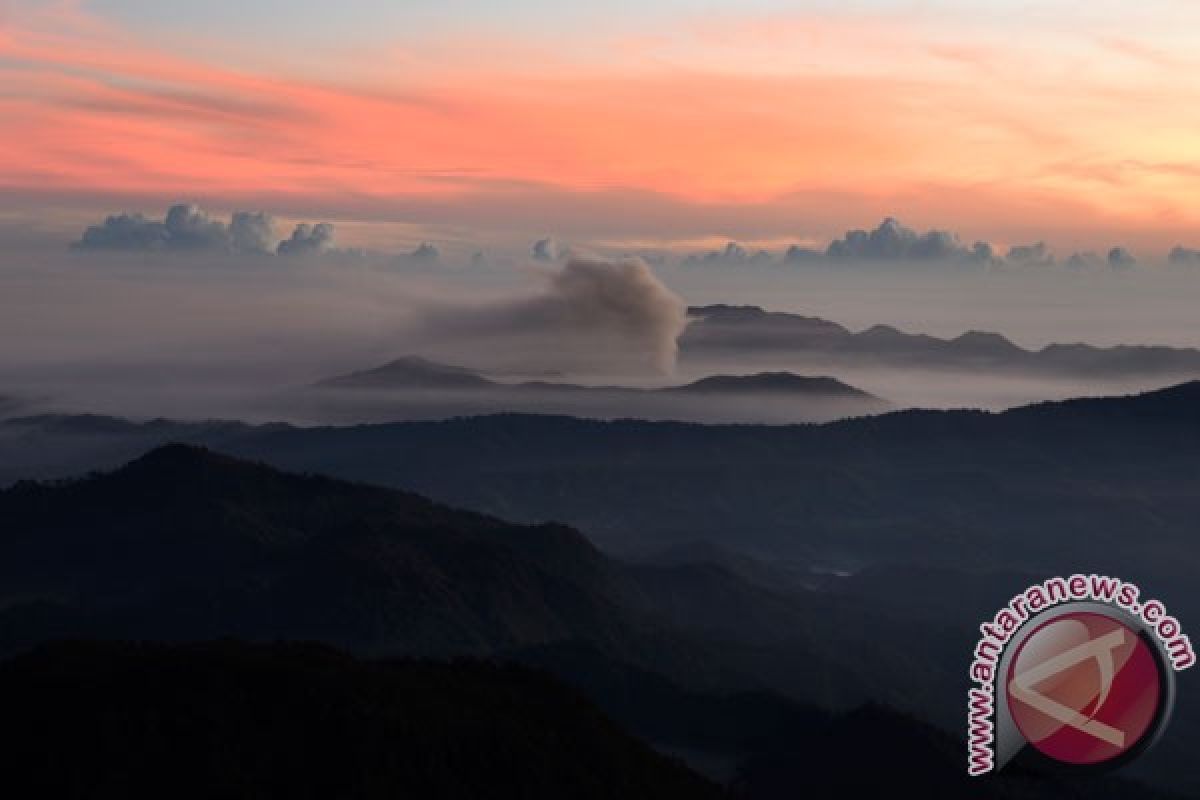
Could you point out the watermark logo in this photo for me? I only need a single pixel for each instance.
(1078, 670)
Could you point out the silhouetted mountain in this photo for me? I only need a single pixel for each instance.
(185, 542)
(414, 372)
(300, 721)
(1175, 405)
(762, 383)
(722, 330)
(951, 487)
(410, 372)
(773, 383)
(939, 516)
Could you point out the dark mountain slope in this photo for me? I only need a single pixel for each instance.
(123, 720)
(1176, 405)
(184, 543)
(298, 721)
(957, 488)
(187, 542)
(874, 752)
(1104, 485)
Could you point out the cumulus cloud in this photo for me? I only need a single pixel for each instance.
(422, 258)
(545, 249)
(185, 228)
(190, 228)
(893, 241)
(983, 253)
(733, 254)
(593, 316)
(1030, 255)
(123, 232)
(252, 232)
(1117, 259)
(1184, 256)
(1084, 261)
(803, 255)
(425, 252)
(308, 240)
(1120, 258)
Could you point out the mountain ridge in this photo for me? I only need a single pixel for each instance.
(52, 446)
(411, 372)
(417, 372)
(956, 491)
(204, 531)
(721, 328)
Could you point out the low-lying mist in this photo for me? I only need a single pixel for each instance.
(197, 336)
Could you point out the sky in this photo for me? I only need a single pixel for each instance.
(229, 198)
(670, 124)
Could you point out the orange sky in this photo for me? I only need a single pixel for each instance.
(764, 128)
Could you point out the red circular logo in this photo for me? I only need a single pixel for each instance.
(1084, 688)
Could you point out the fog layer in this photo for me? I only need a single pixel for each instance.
(233, 334)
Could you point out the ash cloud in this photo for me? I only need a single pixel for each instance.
(593, 317)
